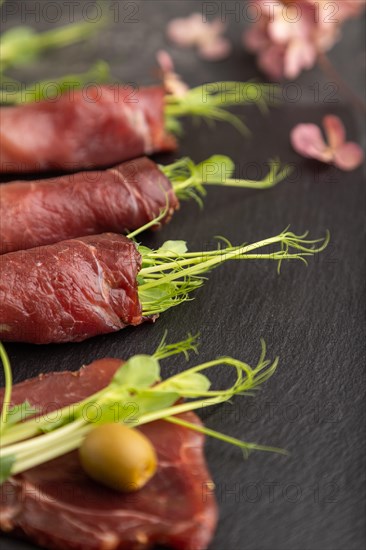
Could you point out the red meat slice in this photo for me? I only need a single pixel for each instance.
(87, 203)
(87, 128)
(57, 506)
(69, 291)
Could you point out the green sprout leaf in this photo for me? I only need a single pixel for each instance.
(141, 371)
(215, 169)
(136, 396)
(174, 247)
(162, 294)
(154, 400)
(189, 179)
(116, 405)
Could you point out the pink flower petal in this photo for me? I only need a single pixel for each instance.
(206, 35)
(177, 33)
(334, 130)
(187, 31)
(280, 31)
(165, 61)
(308, 141)
(219, 48)
(299, 55)
(216, 26)
(326, 36)
(174, 85)
(172, 81)
(270, 61)
(255, 39)
(292, 22)
(349, 156)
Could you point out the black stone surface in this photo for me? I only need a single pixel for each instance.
(313, 318)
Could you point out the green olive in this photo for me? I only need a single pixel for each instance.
(119, 457)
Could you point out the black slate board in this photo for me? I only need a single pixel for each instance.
(313, 318)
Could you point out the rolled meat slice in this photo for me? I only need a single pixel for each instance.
(76, 289)
(89, 128)
(70, 291)
(125, 198)
(57, 506)
(86, 203)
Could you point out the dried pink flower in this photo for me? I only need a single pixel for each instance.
(307, 140)
(206, 36)
(173, 83)
(289, 36)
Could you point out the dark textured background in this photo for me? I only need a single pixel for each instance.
(313, 318)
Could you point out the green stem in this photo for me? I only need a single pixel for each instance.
(36, 426)
(65, 438)
(246, 447)
(63, 443)
(11, 51)
(200, 262)
(44, 455)
(151, 223)
(8, 387)
(164, 350)
(18, 94)
(189, 179)
(72, 441)
(240, 366)
(157, 294)
(44, 440)
(210, 101)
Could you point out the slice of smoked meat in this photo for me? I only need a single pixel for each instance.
(90, 128)
(120, 199)
(58, 507)
(69, 291)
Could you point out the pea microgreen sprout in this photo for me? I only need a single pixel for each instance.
(210, 101)
(163, 212)
(14, 92)
(8, 386)
(27, 444)
(189, 179)
(164, 350)
(171, 273)
(21, 45)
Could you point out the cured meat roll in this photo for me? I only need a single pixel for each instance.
(70, 291)
(124, 198)
(86, 129)
(76, 289)
(57, 506)
(87, 203)
(101, 126)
